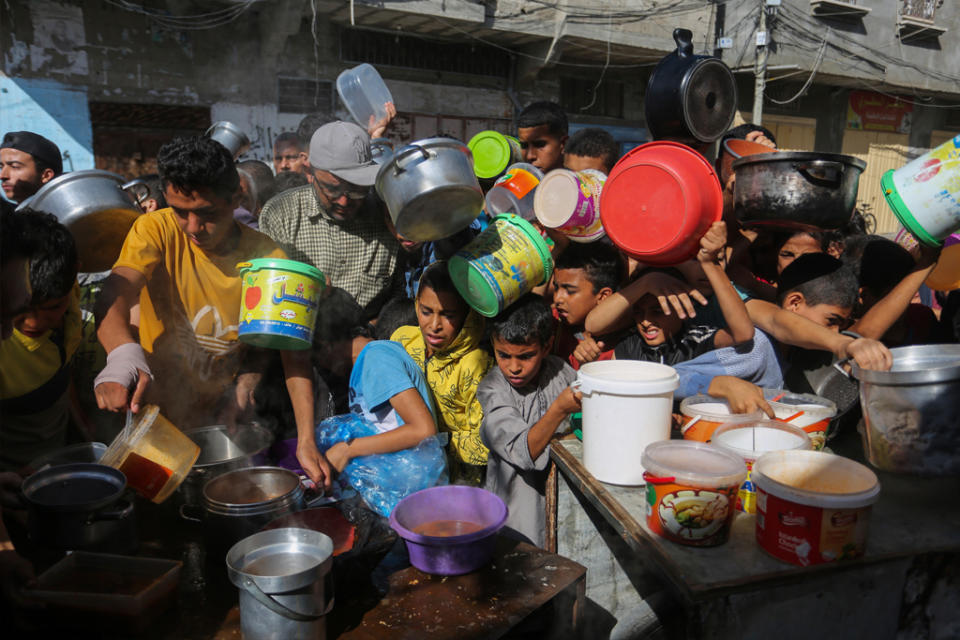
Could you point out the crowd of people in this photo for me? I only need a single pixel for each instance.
(395, 342)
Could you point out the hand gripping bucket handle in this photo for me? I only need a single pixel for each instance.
(251, 587)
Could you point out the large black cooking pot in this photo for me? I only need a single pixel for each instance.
(690, 98)
(79, 506)
(796, 189)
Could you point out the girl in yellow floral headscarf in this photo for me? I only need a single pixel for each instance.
(447, 346)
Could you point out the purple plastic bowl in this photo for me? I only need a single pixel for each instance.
(284, 454)
(450, 555)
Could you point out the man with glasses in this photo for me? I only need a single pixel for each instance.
(334, 223)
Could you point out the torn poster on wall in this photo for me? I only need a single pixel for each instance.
(58, 38)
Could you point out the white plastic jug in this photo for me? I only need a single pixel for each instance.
(364, 93)
(626, 405)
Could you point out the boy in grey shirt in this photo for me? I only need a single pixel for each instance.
(525, 400)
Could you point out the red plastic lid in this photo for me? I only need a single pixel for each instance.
(659, 200)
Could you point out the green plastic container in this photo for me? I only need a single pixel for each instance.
(493, 152)
(278, 306)
(501, 264)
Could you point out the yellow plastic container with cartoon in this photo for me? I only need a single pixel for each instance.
(279, 302)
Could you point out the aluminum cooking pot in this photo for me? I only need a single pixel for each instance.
(230, 136)
(239, 503)
(222, 451)
(796, 189)
(430, 189)
(79, 506)
(95, 207)
(689, 98)
(910, 412)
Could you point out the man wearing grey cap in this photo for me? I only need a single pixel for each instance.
(332, 223)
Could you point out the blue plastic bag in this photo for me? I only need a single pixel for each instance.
(384, 479)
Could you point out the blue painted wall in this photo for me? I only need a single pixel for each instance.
(52, 109)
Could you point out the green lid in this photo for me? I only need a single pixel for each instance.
(302, 268)
(474, 287)
(491, 153)
(903, 214)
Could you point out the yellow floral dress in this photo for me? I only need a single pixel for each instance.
(453, 376)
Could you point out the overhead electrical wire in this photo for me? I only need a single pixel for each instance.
(195, 22)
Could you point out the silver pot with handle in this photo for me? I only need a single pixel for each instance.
(430, 189)
(230, 136)
(796, 189)
(910, 412)
(221, 451)
(95, 206)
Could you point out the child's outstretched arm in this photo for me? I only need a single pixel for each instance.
(614, 312)
(538, 437)
(739, 326)
(417, 424)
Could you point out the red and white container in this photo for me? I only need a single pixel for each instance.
(815, 412)
(752, 439)
(702, 414)
(813, 507)
(569, 201)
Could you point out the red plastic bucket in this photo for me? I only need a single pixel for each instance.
(659, 200)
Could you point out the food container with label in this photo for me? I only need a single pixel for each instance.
(813, 507)
(702, 414)
(691, 491)
(815, 412)
(750, 440)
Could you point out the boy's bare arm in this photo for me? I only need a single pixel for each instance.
(674, 296)
(878, 320)
(739, 325)
(539, 435)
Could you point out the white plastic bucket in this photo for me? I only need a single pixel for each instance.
(626, 406)
(925, 193)
(813, 507)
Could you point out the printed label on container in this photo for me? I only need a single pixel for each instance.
(691, 516)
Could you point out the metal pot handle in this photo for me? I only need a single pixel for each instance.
(684, 40)
(405, 152)
(115, 514)
(819, 170)
(254, 590)
(184, 508)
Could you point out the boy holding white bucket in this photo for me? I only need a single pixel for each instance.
(526, 398)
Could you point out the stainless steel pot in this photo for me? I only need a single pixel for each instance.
(239, 503)
(796, 189)
(230, 136)
(690, 98)
(97, 210)
(430, 189)
(220, 452)
(910, 412)
(79, 506)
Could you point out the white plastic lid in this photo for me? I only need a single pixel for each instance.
(816, 479)
(714, 409)
(556, 198)
(750, 440)
(696, 464)
(627, 378)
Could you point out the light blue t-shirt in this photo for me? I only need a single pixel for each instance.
(382, 370)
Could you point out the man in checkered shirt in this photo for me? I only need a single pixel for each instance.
(334, 223)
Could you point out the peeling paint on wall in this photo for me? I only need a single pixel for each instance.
(54, 110)
(261, 123)
(58, 38)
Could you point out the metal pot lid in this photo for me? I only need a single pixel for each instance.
(79, 486)
(926, 364)
(709, 99)
(252, 486)
(798, 156)
(218, 446)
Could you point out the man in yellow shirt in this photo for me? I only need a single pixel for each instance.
(180, 263)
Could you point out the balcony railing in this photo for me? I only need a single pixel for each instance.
(920, 9)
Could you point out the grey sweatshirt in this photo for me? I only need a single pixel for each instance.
(508, 413)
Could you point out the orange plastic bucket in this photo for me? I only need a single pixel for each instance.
(659, 200)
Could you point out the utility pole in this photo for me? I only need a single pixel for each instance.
(760, 66)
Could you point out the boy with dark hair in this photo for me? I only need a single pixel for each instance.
(584, 275)
(525, 399)
(289, 152)
(15, 270)
(820, 288)
(27, 162)
(181, 263)
(591, 148)
(35, 402)
(542, 131)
